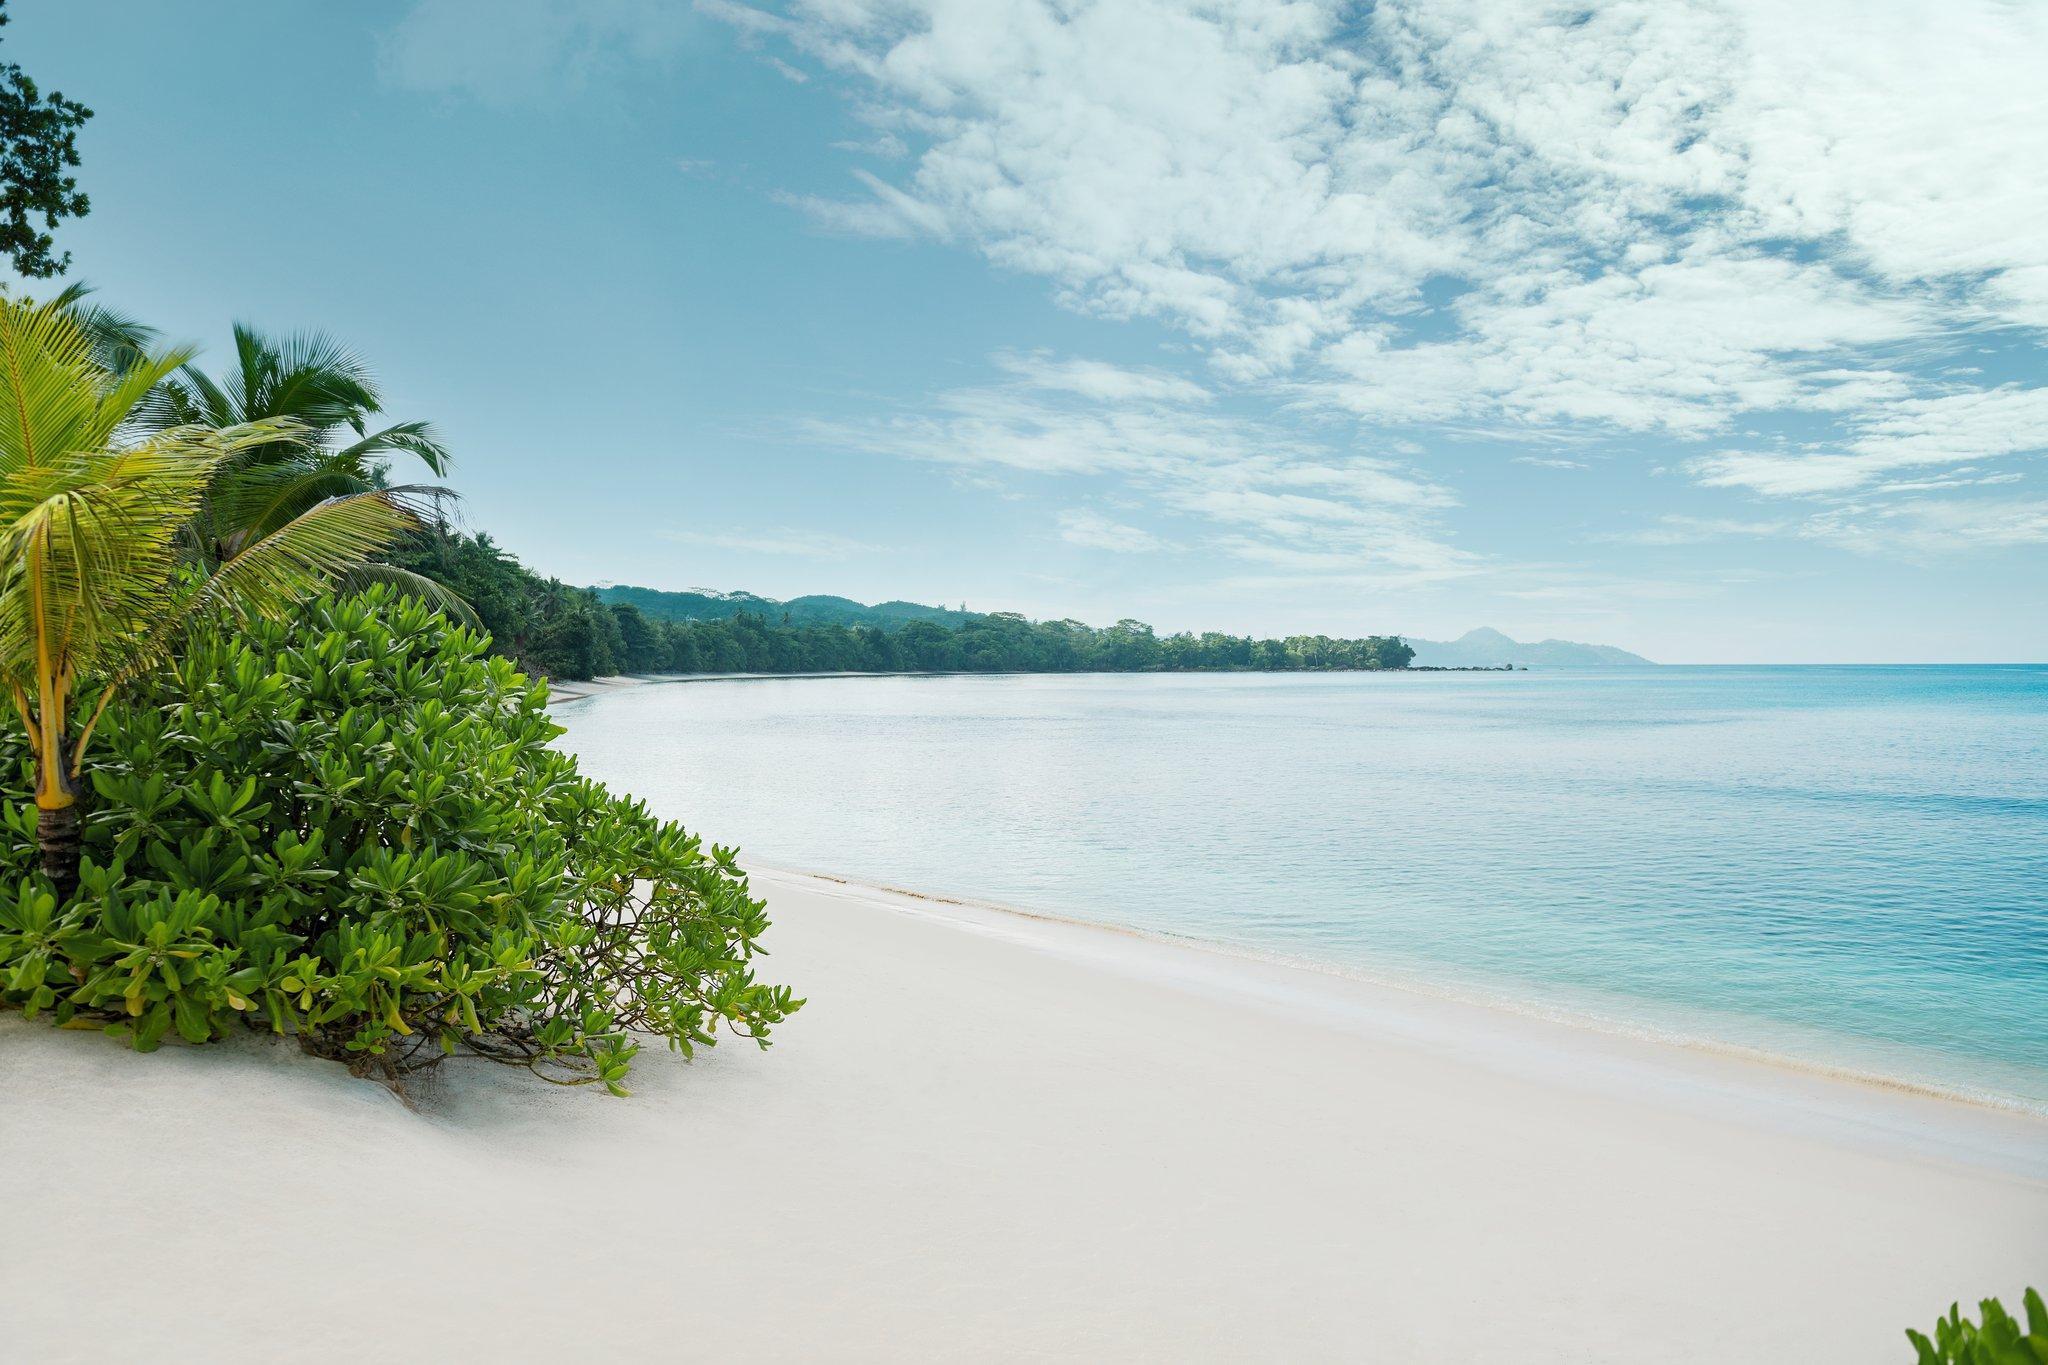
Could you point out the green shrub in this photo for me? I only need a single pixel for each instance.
(2000, 1341)
(351, 829)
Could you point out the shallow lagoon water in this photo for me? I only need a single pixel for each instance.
(1843, 866)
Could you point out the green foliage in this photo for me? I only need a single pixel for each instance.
(322, 388)
(38, 146)
(1999, 1341)
(327, 396)
(1001, 642)
(541, 624)
(659, 604)
(94, 528)
(566, 632)
(351, 829)
(830, 634)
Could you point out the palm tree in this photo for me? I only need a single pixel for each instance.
(327, 394)
(312, 380)
(96, 578)
(118, 339)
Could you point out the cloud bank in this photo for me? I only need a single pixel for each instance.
(1765, 234)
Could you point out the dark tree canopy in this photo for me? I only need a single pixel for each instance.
(38, 143)
(565, 633)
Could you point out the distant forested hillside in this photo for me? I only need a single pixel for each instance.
(565, 632)
(820, 610)
(544, 625)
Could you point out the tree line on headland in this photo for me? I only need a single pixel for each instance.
(568, 633)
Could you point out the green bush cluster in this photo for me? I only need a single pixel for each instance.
(351, 829)
(1999, 1341)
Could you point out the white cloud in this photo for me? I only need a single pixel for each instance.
(1918, 528)
(518, 51)
(891, 213)
(1963, 478)
(1148, 158)
(1683, 347)
(1270, 493)
(1926, 528)
(1093, 379)
(1546, 462)
(1951, 429)
(1081, 526)
(1895, 129)
(1503, 215)
(1675, 529)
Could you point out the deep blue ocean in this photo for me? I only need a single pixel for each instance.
(1843, 866)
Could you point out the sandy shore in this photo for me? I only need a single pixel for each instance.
(991, 1137)
(618, 682)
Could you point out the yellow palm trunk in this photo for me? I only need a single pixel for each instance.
(56, 793)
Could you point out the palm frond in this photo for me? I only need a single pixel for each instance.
(49, 386)
(309, 552)
(133, 386)
(90, 543)
(94, 557)
(187, 398)
(435, 594)
(119, 339)
(413, 438)
(249, 503)
(210, 403)
(308, 376)
(316, 550)
(56, 394)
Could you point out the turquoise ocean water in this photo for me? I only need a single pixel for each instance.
(1844, 866)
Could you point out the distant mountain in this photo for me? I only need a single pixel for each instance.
(704, 605)
(1487, 648)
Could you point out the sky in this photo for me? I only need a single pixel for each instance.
(1712, 331)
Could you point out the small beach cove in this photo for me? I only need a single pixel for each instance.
(1080, 681)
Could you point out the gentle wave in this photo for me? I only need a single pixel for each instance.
(1844, 867)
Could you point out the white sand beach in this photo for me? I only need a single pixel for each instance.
(559, 692)
(990, 1137)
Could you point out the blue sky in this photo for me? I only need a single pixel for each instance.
(1714, 332)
